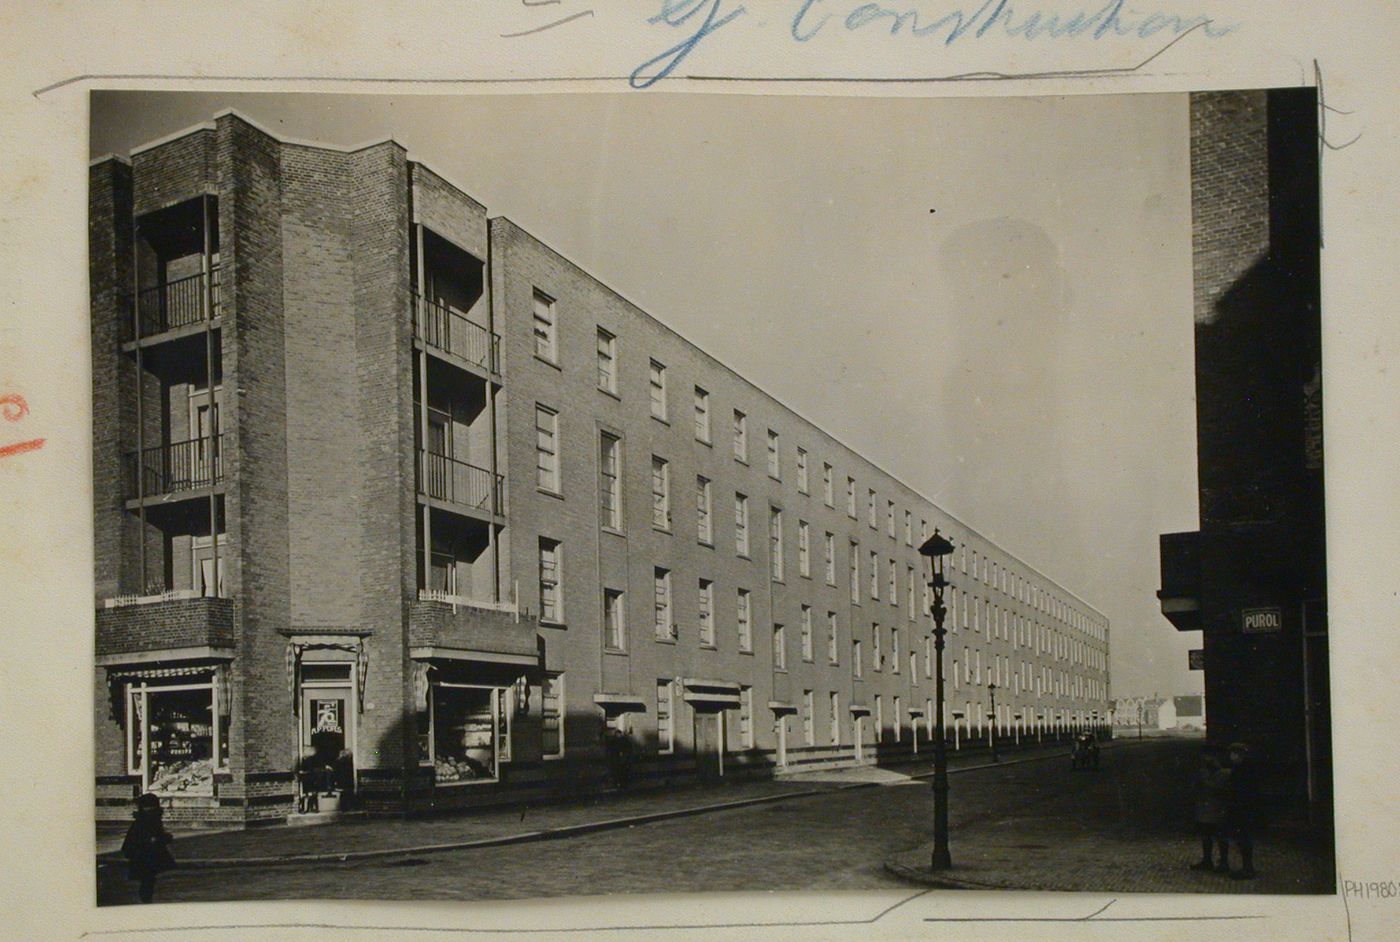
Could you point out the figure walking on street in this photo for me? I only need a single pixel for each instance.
(1212, 794)
(1242, 808)
(146, 846)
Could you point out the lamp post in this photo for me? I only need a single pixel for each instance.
(935, 548)
(992, 724)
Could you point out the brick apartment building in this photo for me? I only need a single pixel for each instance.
(1253, 578)
(388, 494)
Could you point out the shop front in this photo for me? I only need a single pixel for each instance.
(176, 725)
(328, 676)
(465, 720)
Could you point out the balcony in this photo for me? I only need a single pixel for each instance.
(459, 484)
(164, 626)
(175, 467)
(467, 629)
(184, 302)
(449, 331)
(1180, 595)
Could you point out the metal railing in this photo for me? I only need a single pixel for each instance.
(447, 330)
(178, 303)
(177, 466)
(445, 478)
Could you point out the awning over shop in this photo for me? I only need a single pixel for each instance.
(164, 656)
(430, 652)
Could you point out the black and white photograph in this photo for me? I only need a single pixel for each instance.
(519, 496)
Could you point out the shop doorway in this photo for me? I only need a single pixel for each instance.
(326, 737)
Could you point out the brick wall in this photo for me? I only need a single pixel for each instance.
(324, 495)
(177, 623)
(255, 442)
(176, 170)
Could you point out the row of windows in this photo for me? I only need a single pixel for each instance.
(982, 568)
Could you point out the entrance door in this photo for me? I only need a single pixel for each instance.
(327, 733)
(709, 745)
(858, 739)
(203, 460)
(780, 725)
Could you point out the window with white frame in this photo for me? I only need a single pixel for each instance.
(707, 613)
(894, 650)
(746, 717)
(775, 467)
(855, 572)
(741, 525)
(889, 518)
(809, 734)
(665, 621)
(857, 659)
(928, 657)
(744, 619)
(835, 732)
(851, 497)
(177, 732)
(551, 598)
(807, 633)
(543, 327)
(607, 361)
(702, 415)
(829, 548)
(610, 485)
(665, 726)
(779, 648)
(828, 492)
(704, 522)
(614, 620)
(910, 591)
(879, 718)
(908, 528)
(876, 655)
(898, 717)
(552, 716)
(657, 383)
(547, 448)
(660, 493)
(894, 582)
(775, 542)
(804, 549)
(875, 575)
(870, 504)
(802, 480)
(741, 437)
(832, 653)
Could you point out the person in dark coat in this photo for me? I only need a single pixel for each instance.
(1242, 808)
(1212, 794)
(146, 846)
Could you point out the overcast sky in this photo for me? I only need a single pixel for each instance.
(993, 296)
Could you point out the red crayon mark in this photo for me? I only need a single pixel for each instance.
(13, 408)
(17, 448)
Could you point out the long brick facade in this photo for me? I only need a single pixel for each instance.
(384, 412)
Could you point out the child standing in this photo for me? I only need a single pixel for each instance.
(1212, 790)
(145, 846)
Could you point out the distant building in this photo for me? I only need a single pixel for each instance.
(1186, 713)
(1128, 712)
(1252, 579)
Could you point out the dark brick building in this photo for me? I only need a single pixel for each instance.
(1253, 578)
(391, 498)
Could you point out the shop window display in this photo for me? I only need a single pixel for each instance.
(176, 737)
(464, 733)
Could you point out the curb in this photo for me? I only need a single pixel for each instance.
(547, 834)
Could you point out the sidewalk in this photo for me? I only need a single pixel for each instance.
(1127, 835)
(362, 838)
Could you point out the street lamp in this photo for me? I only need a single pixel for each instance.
(935, 548)
(992, 724)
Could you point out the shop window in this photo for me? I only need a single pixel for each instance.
(177, 735)
(552, 716)
(467, 732)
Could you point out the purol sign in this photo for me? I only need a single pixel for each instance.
(1257, 621)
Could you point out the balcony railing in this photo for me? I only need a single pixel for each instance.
(177, 466)
(457, 482)
(447, 330)
(178, 303)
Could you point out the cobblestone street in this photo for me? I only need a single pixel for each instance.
(1030, 824)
